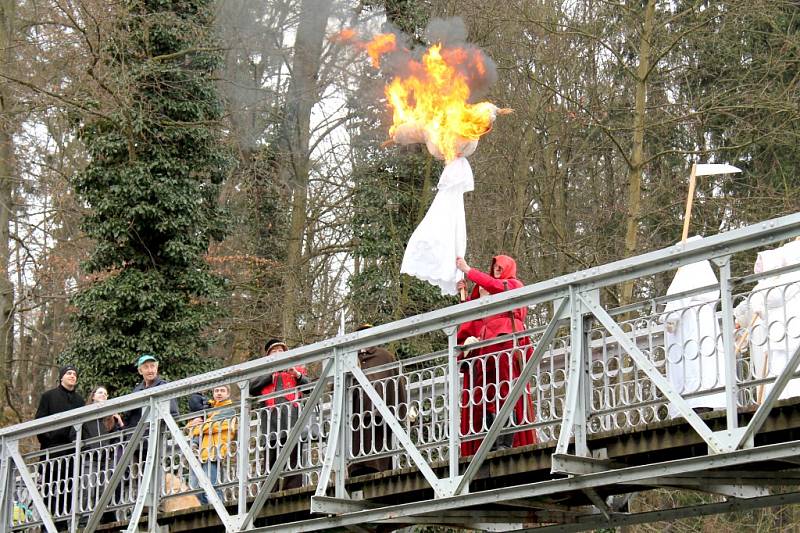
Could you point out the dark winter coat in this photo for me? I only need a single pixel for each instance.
(373, 430)
(55, 401)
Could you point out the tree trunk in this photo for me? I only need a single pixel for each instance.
(7, 173)
(303, 94)
(637, 150)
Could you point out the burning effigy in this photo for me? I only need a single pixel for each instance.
(431, 103)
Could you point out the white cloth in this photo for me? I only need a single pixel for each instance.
(442, 235)
(693, 344)
(776, 330)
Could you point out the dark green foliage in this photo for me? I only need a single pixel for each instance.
(152, 188)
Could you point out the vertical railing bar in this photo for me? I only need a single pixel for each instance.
(158, 476)
(336, 425)
(76, 478)
(243, 446)
(731, 385)
(572, 399)
(149, 468)
(454, 396)
(345, 438)
(5, 484)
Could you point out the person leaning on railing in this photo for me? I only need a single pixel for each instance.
(98, 460)
(282, 410)
(214, 434)
(501, 363)
(147, 366)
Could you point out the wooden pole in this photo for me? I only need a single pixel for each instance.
(689, 200)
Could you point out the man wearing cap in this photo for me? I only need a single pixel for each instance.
(147, 366)
(58, 467)
(281, 410)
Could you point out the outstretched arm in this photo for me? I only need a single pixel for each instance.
(493, 285)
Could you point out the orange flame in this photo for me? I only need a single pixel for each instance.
(430, 101)
(381, 44)
(434, 97)
(347, 35)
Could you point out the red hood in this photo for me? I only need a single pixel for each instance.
(508, 266)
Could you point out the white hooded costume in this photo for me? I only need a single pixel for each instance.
(775, 334)
(693, 344)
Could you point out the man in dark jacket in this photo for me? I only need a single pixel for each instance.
(58, 466)
(372, 434)
(62, 398)
(147, 366)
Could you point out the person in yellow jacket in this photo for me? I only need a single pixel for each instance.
(213, 432)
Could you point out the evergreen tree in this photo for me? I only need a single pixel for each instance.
(152, 183)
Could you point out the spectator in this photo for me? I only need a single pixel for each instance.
(57, 468)
(99, 456)
(499, 364)
(147, 366)
(372, 434)
(282, 410)
(214, 434)
(58, 400)
(100, 426)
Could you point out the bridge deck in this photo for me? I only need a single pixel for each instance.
(654, 443)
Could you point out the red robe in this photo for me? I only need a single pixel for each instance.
(493, 369)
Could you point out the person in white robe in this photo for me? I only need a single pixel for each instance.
(692, 338)
(775, 306)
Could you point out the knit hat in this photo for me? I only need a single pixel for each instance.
(272, 343)
(66, 368)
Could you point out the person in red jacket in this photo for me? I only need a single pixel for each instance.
(490, 371)
(282, 410)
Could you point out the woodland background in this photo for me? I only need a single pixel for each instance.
(190, 178)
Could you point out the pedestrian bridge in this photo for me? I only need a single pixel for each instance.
(598, 391)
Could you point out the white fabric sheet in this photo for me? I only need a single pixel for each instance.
(776, 330)
(692, 338)
(442, 235)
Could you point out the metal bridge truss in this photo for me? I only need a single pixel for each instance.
(592, 371)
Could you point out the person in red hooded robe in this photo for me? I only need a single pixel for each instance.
(490, 372)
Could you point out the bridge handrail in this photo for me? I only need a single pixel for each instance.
(672, 257)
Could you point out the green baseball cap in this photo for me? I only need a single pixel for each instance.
(145, 358)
